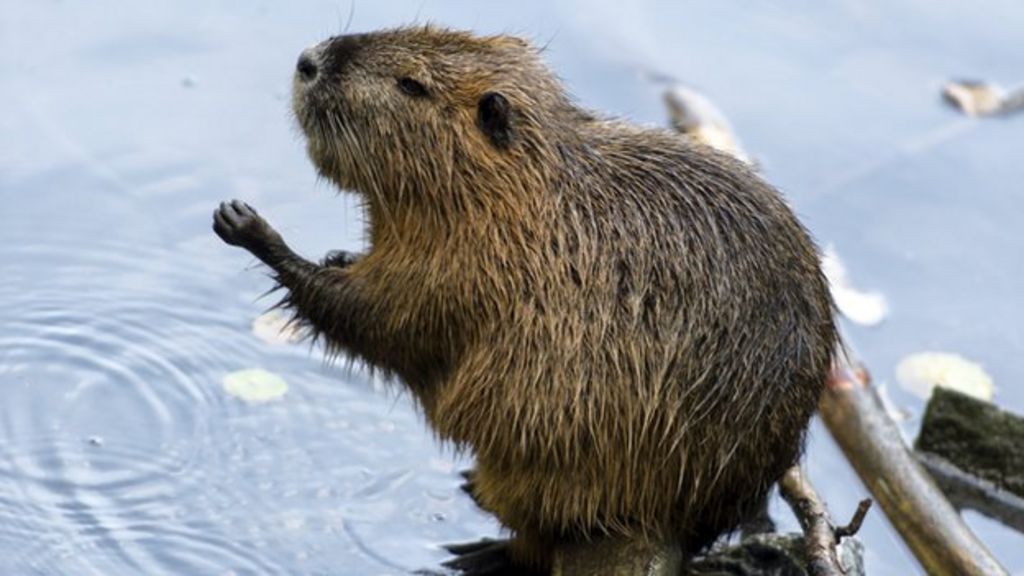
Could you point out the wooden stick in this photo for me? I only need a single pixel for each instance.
(820, 536)
(853, 526)
(931, 527)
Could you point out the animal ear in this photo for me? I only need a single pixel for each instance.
(494, 116)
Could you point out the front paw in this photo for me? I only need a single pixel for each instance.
(238, 224)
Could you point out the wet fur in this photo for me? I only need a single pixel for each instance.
(630, 331)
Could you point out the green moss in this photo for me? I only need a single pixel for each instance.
(976, 436)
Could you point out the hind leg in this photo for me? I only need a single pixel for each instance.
(760, 523)
(526, 555)
(522, 554)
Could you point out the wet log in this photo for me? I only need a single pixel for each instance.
(931, 527)
(968, 491)
(773, 555)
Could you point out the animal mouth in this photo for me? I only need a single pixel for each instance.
(306, 89)
(322, 126)
(316, 115)
(304, 106)
(319, 111)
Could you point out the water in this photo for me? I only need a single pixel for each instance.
(125, 124)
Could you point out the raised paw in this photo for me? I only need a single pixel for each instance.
(340, 258)
(238, 224)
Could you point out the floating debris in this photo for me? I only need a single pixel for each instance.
(693, 114)
(255, 385)
(860, 307)
(275, 327)
(979, 99)
(922, 372)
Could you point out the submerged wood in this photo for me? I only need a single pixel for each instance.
(773, 555)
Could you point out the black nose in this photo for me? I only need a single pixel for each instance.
(306, 67)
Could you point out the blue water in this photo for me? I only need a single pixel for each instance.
(124, 124)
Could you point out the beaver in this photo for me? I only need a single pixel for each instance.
(629, 330)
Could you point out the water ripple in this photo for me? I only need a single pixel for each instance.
(106, 420)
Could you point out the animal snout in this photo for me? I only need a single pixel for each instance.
(308, 66)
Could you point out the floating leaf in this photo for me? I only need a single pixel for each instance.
(275, 327)
(920, 373)
(860, 307)
(255, 385)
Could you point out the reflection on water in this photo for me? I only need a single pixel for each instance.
(120, 312)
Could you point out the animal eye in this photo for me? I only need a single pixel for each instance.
(412, 87)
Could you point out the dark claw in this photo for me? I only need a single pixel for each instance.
(464, 548)
(469, 486)
(486, 557)
(340, 258)
(243, 209)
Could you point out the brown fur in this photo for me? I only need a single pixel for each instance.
(630, 331)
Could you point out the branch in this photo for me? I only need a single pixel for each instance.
(966, 490)
(820, 536)
(931, 527)
(853, 526)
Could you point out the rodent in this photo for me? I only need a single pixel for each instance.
(629, 330)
